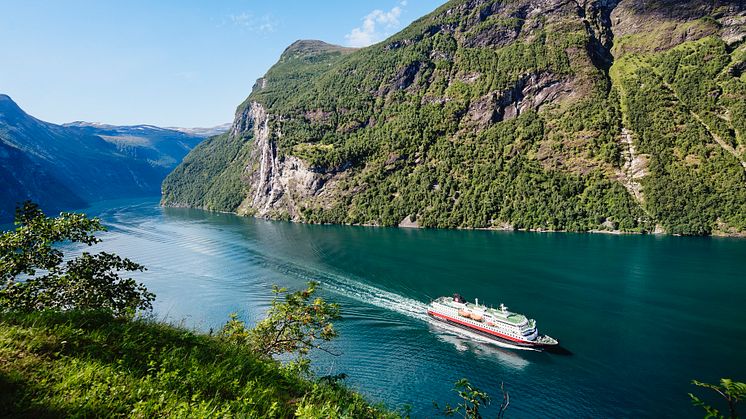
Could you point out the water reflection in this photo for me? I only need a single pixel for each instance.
(464, 340)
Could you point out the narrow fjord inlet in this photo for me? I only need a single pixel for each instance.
(632, 311)
(382, 209)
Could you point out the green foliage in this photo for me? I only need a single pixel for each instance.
(417, 127)
(674, 102)
(294, 324)
(91, 364)
(210, 176)
(731, 391)
(473, 400)
(34, 277)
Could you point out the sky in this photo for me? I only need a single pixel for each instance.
(177, 63)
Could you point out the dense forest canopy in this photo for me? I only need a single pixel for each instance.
(551, 115)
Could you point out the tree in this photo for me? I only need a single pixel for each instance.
(295, 323)
(35, 276)
(473, 399)
(732, 391)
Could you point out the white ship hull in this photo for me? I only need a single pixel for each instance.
(502, 325)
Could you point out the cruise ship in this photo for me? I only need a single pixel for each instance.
(499, 324)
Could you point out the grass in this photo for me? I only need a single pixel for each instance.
(90, 365)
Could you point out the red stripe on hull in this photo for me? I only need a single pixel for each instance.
(471, 326)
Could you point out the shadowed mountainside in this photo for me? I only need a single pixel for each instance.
(66, 166)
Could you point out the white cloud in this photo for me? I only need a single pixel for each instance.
(370, 31)
(248, 21)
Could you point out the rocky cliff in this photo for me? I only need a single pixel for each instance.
(537, 114)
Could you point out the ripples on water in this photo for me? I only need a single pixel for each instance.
(618, 302)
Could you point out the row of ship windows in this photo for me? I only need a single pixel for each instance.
(456, 311)
(481, 324)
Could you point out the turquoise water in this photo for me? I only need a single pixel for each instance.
(640, 316)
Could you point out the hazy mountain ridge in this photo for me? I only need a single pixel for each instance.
(526, 114)
(204, 132)
(164, 147)
(65, 166)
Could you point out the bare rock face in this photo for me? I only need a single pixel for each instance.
(675, 22)
(530, 92)
(403, 79)
(634, 168)
(280, 186)
(408, 223)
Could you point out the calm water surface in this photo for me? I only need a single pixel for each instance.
(641, 315)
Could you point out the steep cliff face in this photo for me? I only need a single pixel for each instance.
(280, 187)
(244, 171)
(531, 113)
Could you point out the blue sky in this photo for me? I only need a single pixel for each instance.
(168, 63)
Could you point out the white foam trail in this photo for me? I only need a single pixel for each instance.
(371, 295)
(391, 301)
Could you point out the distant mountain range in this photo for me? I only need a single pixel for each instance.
(205, 132)
(66, 166)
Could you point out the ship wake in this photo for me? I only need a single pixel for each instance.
(375, 296)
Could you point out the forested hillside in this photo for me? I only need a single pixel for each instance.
(554, 115)
(66, 166)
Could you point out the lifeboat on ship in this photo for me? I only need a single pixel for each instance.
(499, 324)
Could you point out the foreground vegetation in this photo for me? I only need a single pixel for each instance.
(71, 344)
(731, 392)
(91, 364)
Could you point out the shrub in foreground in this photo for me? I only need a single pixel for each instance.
(61, 364)
(35, 276)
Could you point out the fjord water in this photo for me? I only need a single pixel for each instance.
(640, 316)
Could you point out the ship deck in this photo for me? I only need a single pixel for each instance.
(510, 317)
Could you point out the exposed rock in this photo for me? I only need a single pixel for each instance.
(609, 225)
(406, 76)
(676, 21)
(733, 27)
(398, 44)
(502, 225)
(530, 92)
(261, 84)
(596, 15)
(634, 168)
(469, 77)
(408, 223)
(483, 110)
(278, 185)
(318, 116)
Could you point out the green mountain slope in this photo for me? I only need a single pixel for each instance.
(553, 115)
(64, 166)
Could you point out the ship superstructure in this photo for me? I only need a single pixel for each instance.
(500, 324)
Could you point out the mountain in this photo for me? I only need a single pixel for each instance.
(205, 132)
(530, 114)
(162, 147)
(66, 166)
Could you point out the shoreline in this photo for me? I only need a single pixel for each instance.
(414, 226)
